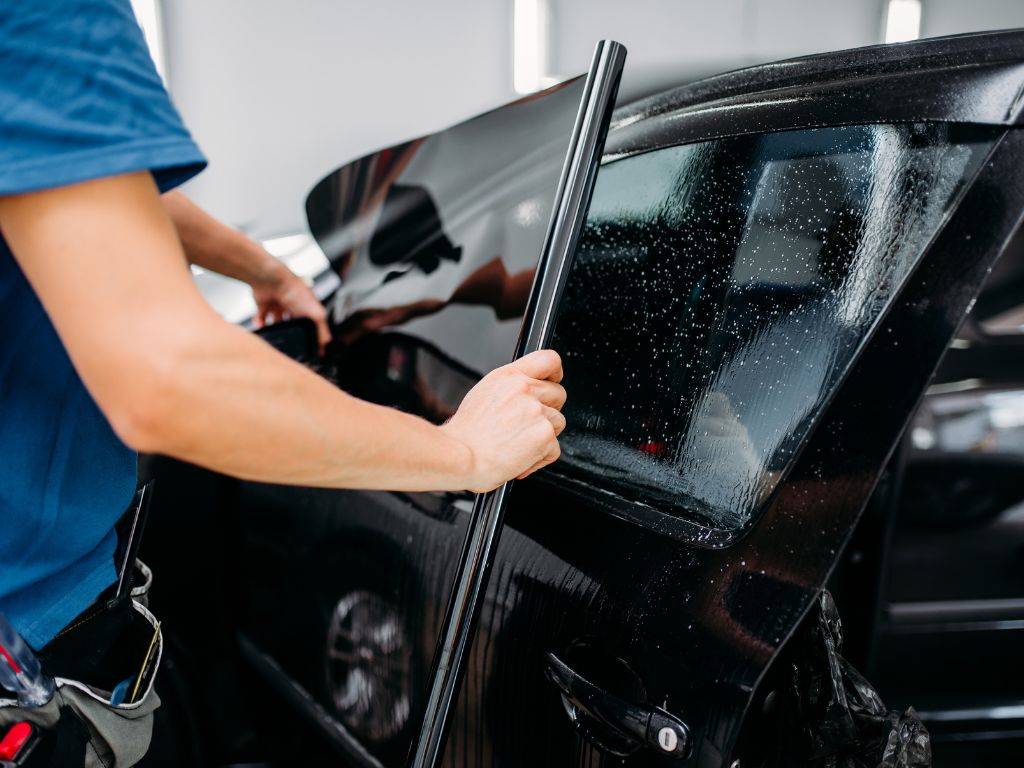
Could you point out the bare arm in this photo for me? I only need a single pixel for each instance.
(173, 378)
(210, 244)
(215, 246)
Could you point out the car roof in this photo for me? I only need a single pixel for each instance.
(974, 78)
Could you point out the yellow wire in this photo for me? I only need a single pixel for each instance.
(145, 663)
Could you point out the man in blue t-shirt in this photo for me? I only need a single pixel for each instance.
(56, 556)
(107, 348)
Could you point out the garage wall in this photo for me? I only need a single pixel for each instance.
(669, 38)
(950, 17)
(278, 93)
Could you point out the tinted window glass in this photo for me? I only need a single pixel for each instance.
(721, 290)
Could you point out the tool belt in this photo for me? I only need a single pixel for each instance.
(104, 665)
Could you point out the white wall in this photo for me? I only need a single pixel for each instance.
(950, 17)
(278, 93)
(688, 38)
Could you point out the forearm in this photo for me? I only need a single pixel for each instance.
(230, 391)
(215, 246)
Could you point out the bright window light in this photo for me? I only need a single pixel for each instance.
(282, 247)
(903, 21)
(148, 14)
(530, 45)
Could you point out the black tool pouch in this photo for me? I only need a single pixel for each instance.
(118, 735)
(114, 641)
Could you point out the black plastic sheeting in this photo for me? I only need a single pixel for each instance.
(831, 715)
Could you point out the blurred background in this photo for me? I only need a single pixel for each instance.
(278, 94)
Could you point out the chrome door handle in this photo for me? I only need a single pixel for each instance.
(632, 726)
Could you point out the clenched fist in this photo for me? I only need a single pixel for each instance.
(510, 421)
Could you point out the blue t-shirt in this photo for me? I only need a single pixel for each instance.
(80, 99)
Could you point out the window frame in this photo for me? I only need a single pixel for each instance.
(656, 518)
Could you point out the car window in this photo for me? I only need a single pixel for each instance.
(722, 289)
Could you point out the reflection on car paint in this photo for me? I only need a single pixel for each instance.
(368, 659)
(736, 280)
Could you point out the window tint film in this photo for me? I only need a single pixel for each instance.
(721, 290)
(436, 238)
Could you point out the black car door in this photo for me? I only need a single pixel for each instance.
(746, 327)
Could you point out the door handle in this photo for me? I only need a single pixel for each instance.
(631, 726)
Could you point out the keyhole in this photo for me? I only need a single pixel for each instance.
(667, 739)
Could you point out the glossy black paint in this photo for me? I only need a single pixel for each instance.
(655, 620)
(966, 78)
(571, 201)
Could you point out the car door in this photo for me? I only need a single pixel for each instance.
(752, 315)
(738, 371)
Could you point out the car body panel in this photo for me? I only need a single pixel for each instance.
(966, 78)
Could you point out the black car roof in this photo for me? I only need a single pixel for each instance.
(975, 78)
